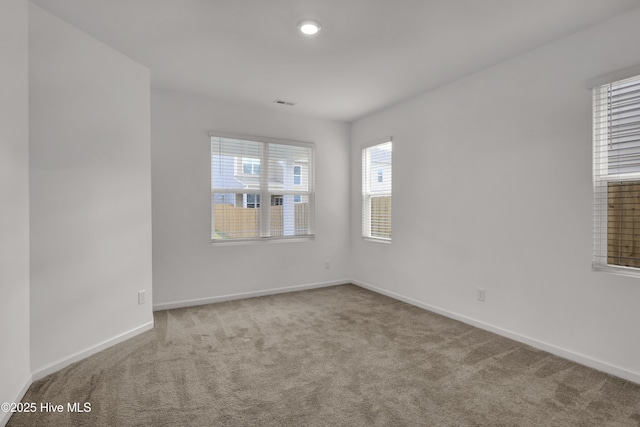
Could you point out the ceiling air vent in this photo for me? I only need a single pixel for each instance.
(281, 102)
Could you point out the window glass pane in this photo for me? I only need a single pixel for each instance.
(623, 242)
(379, 166)
(236, 216)
(290, 218)
(289, 167)
(381, 217)
(235, 163)
(623, 123)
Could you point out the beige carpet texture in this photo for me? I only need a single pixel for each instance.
(337, 356)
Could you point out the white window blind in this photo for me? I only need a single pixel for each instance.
(261, 190)
(376, 190)
(616, 176)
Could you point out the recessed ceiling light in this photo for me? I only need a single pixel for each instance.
(309, 27)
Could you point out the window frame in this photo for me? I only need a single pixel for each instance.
(263, 192)
(367, 195)
(602, 177)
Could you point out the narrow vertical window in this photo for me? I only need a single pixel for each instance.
(376, 190)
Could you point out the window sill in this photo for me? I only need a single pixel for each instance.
(376, 240)
(617, 270)
(261, 241)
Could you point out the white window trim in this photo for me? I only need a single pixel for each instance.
(264, 192)
(366, 198)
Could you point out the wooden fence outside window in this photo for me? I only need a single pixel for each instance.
(233, 222)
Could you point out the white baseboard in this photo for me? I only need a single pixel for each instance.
(243, 295)
(541, 345)
(63, 363)
(4, 416)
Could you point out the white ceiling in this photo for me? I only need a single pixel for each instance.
(370, 53)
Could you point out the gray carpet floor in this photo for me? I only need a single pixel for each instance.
(338, 356)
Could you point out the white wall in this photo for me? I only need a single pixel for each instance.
(14, 201)
(492, 188)
(90, 193)
(186, 266)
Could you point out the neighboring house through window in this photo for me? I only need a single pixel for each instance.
(376, 190)
(616, 176)
(246, 171)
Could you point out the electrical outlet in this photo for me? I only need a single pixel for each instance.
(481, 294)
(141, 297)
(327, 264)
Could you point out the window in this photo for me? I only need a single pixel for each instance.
(297, 175)
(376, 190)
(246, 171)
(616, 176)
(251, 166)
(253, 201)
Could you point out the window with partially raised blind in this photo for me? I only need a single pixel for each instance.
(376, 190)
(261, 189)
(616, 176)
